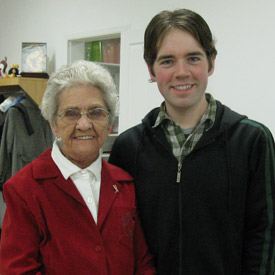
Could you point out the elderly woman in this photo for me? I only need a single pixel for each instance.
(69, 211)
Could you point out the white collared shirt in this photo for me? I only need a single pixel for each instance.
(87, 180)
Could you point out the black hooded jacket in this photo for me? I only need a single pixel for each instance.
(220, 218)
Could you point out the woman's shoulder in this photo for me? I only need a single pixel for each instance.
(39, 168)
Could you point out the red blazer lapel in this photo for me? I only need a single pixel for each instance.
(108, 193)
(68, 187)
(51, 172)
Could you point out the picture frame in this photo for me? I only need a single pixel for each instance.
(34, 57)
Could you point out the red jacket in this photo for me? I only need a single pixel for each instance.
(48, 229)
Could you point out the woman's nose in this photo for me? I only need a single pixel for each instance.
(84, 123)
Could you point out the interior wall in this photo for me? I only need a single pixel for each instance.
(244, 72)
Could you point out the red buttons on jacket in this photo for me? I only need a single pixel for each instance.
(98, 249)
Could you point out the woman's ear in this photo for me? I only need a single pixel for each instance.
(54, 130)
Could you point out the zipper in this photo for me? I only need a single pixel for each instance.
(179, 172)
(179, 163)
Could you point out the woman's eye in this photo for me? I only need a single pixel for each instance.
(95, 113)
(98, 114)
(71, 113)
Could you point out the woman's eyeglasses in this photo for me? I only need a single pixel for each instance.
(71, 116)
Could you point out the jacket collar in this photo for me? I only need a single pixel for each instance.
(224, 120)
(112, 177)
(67, 168)
(225, 117)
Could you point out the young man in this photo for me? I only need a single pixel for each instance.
(205, 175)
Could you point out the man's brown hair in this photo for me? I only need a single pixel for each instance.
(182, 19)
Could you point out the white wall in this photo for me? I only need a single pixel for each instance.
(244, 75)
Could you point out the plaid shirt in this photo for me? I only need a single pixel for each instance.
(182, 145)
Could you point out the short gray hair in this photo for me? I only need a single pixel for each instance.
(79, 73)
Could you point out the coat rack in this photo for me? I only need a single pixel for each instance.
(34, 88)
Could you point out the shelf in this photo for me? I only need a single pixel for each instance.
(80, 48)
(33, 87)
(116, 65)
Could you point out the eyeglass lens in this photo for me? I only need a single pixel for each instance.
(96, 115)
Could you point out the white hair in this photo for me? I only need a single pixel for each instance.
(79, 73)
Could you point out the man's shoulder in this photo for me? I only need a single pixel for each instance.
(257, 129)
(137, 130)
(117, 173)
(254, 124)
(238, 123)
(125, 148)
(132, 132)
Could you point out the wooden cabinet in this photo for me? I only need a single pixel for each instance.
(33, 88)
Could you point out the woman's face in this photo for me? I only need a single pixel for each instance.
(82, 140)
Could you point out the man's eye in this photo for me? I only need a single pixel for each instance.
(194, 59)
(166, 62)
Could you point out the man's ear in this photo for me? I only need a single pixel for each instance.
(213, 58)
(152, 74)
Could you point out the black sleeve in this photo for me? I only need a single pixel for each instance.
(259, 247)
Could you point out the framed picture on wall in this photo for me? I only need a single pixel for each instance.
(34, 57)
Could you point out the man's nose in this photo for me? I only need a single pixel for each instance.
(181, 69)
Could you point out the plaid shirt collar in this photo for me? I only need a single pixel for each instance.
(181, 144)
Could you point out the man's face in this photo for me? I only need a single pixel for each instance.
(181, 72)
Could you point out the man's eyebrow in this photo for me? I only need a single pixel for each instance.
(195, 54)
(162, 57)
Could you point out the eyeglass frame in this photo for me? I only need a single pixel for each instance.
(61, 115)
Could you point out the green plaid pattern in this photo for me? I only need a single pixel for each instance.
(175, 135)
